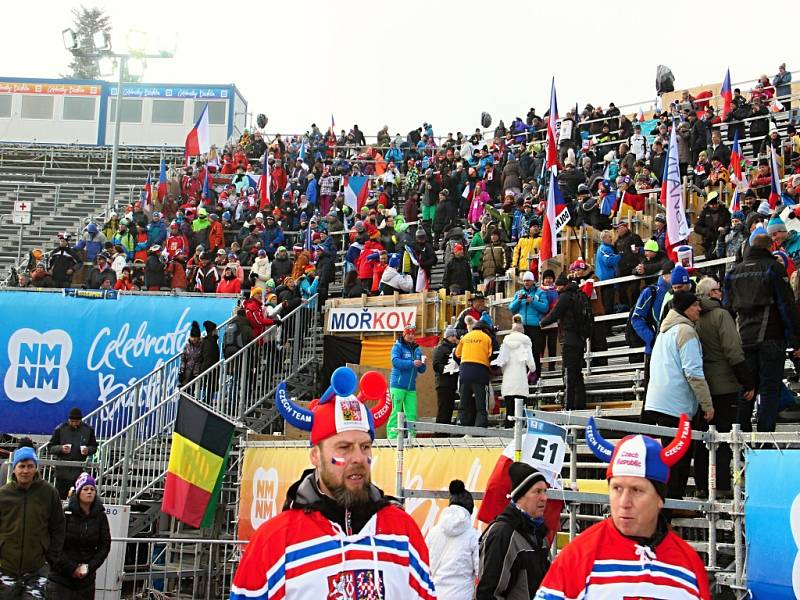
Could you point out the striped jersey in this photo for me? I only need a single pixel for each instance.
(603, 564)
(302, 554)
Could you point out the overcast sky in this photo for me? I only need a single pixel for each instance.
(402, 63)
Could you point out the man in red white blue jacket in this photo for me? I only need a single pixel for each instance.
(338, 537)
(632, 555)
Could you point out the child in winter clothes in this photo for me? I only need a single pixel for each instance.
(516, 360)
(407, 362)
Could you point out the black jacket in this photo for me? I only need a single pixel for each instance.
(441, 356)
(757, 289)
(87, 541)
(457, 272)
(629, 259)
(82, 436)
(154, 271)
(96, 278)
(708, 224)
(61, 261)
(209, 352)
(566, 312)
(514, 557)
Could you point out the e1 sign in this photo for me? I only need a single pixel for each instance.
(544, 445)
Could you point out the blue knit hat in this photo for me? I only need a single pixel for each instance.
(24, 453)
(738, 215)
(756, 232)
(394, 260)
(679, 276)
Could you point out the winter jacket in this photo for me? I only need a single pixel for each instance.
(96, 278)
(281, 268)
(655, 265)
(156, 233)
(154, 272)
(229, 286)
(61, 261)
(404, 373)
(272, 238)
(474, 352)
(191, 362)
(629, 258)
(525, 254)
(533, 311)
(91, 244)
(723, 358)
(261, 270)
(87, 541)
(606, 262)
(392, 281)
(493, 262)
(254, 311)
(442, 357)
(514, 557)
(708, 223)
(453, 547)
(516, 360)
(457, 273)
(31, 526)
(677, 383)
(206, 279)
(570, 331)
(647, 313)
(216, 237)
(731, 242)
(758, 290)
(176, 271)
(65, 434)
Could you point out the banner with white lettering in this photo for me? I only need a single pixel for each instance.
(60, 352)
(371, 318)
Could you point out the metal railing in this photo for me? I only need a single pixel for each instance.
(133, 461)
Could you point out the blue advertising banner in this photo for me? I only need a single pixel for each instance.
(64, 351)
(772, 523)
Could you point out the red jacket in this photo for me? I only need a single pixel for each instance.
(229, 286)
(255, 314)
(175, 243)
(216, 236)
(365, 265)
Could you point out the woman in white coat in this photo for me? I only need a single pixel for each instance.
(453, 547)
(516, 360)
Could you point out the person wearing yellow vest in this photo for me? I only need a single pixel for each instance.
(474, 351)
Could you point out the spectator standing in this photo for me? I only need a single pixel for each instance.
(31, 529)
(526, 250)
(73, 441)
(191, 357)
(100, 273)
(712, 219)
(91, 242)
(646, 317)
(474, 351)
(636, 534)
(87, 542)
(727, 375)
(453, 547)
(677, 382)
(629, 246)
(457, 273)
(531, 304)
(606, 262)
(254, 310)
(407, 362)
(63, 262)
(573, 313)
(758, 290)
(154, 276)
(514, 555)
(783, 88)
(445, 371)
(516, 360)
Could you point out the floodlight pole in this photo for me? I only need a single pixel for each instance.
(123, 64)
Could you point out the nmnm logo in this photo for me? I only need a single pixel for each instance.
(38, 365)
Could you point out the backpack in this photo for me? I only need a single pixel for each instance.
(631, 337)
(585, 317)
(232, 340)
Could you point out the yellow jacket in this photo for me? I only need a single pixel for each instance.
(475, 347)
(524, 251)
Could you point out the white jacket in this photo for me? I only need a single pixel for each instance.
(516, 359)
(400, 282)
(262, 269)
(453, 548)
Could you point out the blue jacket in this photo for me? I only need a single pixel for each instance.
(404, 373)
(605, 262)
(647, 313)
(312, 191)
(677, 382)
(329, 247)
(272, 238)
(308, 289)
(393, 154)
(156, 233)
(93, 244)
(531, 311)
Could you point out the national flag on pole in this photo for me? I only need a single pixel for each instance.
(556, 216)
(640, 115)
(302, 154)
(672, 199)
(333, 125)
(199, 140)
(264, 183)
(727, 95)
(205, 186)
(161, 191)
(355, 192)
(200, 446)
(148, 191)
(608, 203)
(739, 182)
(552, 146)
(498, 488)
(775, 179)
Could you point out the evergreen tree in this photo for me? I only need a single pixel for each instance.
(87, 22)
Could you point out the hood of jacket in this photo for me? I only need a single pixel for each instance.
(515, 340)
(455, 520)
(708, 304)
(672, 319)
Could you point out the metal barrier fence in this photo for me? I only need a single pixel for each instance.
(721, 519)
(133, 461)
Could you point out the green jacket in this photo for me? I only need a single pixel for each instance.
(31, 527)
(723, 358)
(476, 256)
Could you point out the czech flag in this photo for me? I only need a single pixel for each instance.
(552, 147)
(199, 139)
(264, 183)
(161, 191)
(556, 216)
(727, 95)
(672, 199)
(355, 192)
(775, 177)
(333, 125)
(205, 186)
(148, 191)
(201, 443)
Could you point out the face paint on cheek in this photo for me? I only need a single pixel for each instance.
(338, 461)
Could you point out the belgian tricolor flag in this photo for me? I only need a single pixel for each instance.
(200, 446)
